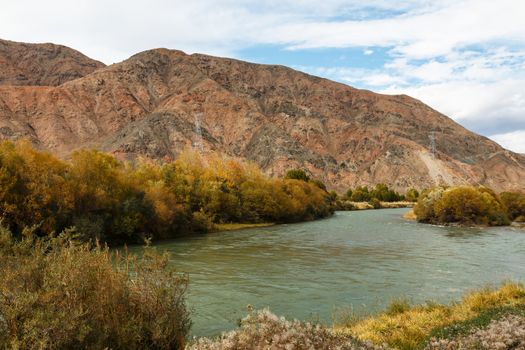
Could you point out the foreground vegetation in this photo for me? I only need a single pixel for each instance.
(117, 202)
(414, 327)
(56, 293)
(487, 319)
(470, 205)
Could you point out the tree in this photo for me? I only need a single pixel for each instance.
(361, 194)
(514, 204)
(412, 195)
(297, 174)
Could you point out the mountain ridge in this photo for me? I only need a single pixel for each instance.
(159, 101)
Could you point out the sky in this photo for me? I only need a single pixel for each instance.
(464, 58)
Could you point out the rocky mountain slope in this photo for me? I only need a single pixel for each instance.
(42, 64)
(159, 101)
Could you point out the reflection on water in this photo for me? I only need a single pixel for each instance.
(360, 258)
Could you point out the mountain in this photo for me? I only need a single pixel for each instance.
(159, 101)
(42, 64)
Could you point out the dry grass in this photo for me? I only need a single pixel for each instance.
(399, 204)
(410, 327)
(410, 215)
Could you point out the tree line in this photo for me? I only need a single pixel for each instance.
(116, 201)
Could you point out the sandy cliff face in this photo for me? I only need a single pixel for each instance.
(160, 101)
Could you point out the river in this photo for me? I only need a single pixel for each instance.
(361, 259)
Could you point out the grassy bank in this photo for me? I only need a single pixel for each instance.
(407, 327)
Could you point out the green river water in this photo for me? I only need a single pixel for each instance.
(361, 259)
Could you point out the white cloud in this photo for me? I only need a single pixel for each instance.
(465, 58)
(513, 140)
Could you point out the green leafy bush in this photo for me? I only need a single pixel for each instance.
(297, 174)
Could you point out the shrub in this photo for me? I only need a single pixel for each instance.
(507, 332)
(297, 174)
(375, 203)
(462, 204)
(514, 204)
(319, 184)
(361, 194)
(264, 330)
(56, 293)
(412, 195)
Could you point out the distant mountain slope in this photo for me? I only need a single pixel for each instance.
(159, 101)
(42, 64)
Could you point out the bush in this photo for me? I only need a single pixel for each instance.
(514, 204)
(412, 195)
(59, 294)
(264, 330)
(297, 174)
(360, 194)
(462, 204)
(375, 203)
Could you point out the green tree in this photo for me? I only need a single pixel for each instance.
(297, 174)
(361, 194)
(412, 195)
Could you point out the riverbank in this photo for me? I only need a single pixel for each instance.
(350, 205)
(486, 319)
(407, 327)
(239, 226)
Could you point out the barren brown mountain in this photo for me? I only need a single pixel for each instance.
(42, 64)
(160, 101)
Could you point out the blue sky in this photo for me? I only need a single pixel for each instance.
(465, 58)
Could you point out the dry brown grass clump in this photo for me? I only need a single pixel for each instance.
(264, 330)
(57, 294)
